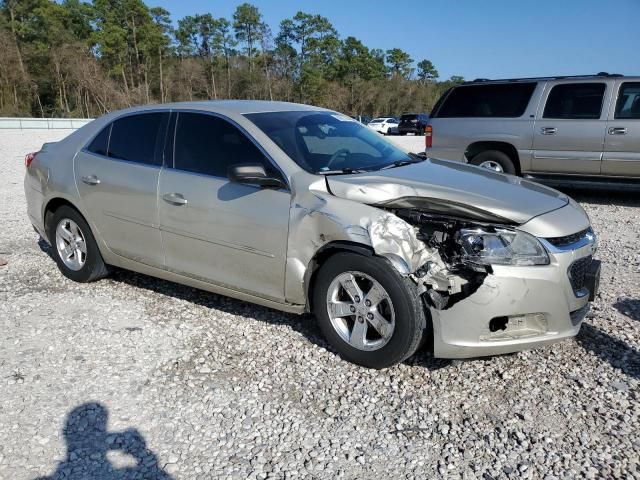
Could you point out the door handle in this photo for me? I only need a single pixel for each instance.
(617, 130)
(174, 198)
(91, 180)
(548, 130)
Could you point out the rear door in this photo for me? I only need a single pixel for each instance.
(214, 230)
(622, 144)
(117, 178)
(570, 126)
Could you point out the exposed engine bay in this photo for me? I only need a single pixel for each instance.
(450, 274)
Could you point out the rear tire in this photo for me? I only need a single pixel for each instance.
(401, 335)
(71, 238)
(494, 160)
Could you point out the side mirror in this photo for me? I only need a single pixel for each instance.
(253, 174)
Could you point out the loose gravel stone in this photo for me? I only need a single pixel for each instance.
(149, 379)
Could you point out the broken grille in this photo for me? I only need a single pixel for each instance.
(578, 273)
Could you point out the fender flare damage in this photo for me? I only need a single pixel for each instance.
(316, 231)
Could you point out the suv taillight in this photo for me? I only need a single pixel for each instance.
(28, 158)
(428, 136)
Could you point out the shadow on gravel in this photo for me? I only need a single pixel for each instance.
(45, 247)
(616, 352)
(88, 443)
(303, 324)
(629, 307)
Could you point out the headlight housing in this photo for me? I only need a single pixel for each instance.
(501, 246)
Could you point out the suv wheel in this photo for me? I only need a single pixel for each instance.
(74, 248)
(494, 160)
(368, 312)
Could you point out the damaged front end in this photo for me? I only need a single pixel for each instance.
(445, 277)
(456, 248)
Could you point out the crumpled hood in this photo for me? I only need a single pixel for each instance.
(450, 188)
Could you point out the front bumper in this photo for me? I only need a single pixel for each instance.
(537, 304)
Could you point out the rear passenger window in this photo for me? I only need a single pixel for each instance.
(134, 138)
(578, 101)
(494, 100)
(100, 142)
(628, 105)
(209, 145)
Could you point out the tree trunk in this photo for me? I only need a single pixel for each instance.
(39, 102)
(126, 87)
(228, 75)
(213, 81)
(161, 79)
(15, 39)
(65, 96)
(146, 85)
(135, 48)
(268, 75)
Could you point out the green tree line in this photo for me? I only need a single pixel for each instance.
(75, 58)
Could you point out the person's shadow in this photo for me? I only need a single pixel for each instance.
(88, 443)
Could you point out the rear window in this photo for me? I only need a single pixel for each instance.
(100, 142)
(579, 101)
(134, 138)
(495, 100)
(628, 105)
(408, 117)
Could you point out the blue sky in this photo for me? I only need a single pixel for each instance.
(488, 39)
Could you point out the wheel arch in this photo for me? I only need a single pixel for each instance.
(505, 147)
(52, 205)
(322, 255)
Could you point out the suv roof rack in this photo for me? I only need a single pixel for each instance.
(559, 77)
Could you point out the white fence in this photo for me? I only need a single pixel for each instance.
(8, 123)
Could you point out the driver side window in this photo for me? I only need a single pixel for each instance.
(209, 145)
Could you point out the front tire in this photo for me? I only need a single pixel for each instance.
(368, 312)
(73, 246)
(494, 160)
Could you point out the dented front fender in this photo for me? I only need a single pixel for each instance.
(317, 218)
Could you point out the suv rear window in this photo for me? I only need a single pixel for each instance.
(578, 101)
(493, 100)
(628, 105)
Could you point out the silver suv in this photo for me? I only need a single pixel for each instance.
(558, 130)
(304, 209)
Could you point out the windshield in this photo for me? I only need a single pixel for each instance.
(328, 142)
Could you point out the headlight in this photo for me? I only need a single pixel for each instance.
(501, 247)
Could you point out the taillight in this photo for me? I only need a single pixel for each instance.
(428, 136)
(29, 158)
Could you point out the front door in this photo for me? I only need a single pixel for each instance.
(214, 230)
(568, 134)
(622, 145)
(117, 178)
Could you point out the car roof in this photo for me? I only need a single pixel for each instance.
(230, 106)
(599, 76)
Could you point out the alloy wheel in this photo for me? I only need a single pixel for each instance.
(71, 244)
(360, 310)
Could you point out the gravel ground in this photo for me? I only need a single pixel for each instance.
(149, 379)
